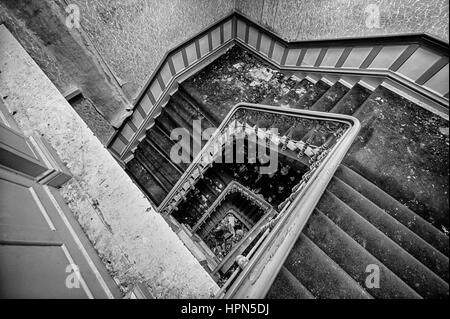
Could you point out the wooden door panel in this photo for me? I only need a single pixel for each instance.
(18, 154)
(31, 271)
(11, 213)
(34, 221)
(24, 235)
(43, 250)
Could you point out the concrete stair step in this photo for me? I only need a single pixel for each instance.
(156, 169)
(312, 93)
(253, 213)
(181, 122)
(353, 258)
(330, 98)
(166, 124)
(338, 99)
(401, 150)
(158, 162)
(192, 117)
(146, 181)
(286, 286)
(185, 94)
(186, 108)
(399, 233)
(399, 261)
(351, 101)
(390, 205)
(320, 274)
(162, 143)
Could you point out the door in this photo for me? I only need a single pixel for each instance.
(43, 251)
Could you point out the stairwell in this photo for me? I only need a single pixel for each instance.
(387, 204)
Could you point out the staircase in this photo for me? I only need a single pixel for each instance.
(349, 231)
(372, 212)
(357, 224)
(152, 166)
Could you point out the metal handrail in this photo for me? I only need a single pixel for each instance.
(246, 241)
(260, 272)
(221, 293)
(195, 169)
(252, 280)
(232, 187)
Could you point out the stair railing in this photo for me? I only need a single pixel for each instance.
(259, 268)
(223, 136)
(233, 187)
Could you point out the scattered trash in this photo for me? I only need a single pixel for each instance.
(443, 130)
(261, 74)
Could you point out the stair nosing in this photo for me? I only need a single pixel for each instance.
(290, 274)
(333, 110)
(366, 251)
(388, 216)
(336, 102)
(389, 239)
(406, 208)
(345, 274)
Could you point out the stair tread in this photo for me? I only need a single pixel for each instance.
(351, 101)
(164, 144)
(404, 265)
(146, 181)
(392, 228)
(401, 149)
(189, 94)
(312, 93)
(160, 178)
(158, 164)
(319, 273)
(286, 286)
(330, 98)
(396, 209)
(353, 258)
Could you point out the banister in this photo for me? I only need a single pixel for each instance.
(231, 187)
(295, 210)
(256, 278)
(201, 161)
(240, 247)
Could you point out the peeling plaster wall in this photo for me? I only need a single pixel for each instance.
(133, 35)
(134, 242)
(65, 54)
(117, 48)
(328, 19)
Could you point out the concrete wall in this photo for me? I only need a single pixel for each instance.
(133, 35)
(325, 19)
(133, 240)
(117, 47)
(64, 54)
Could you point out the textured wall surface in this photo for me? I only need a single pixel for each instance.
(133, 35)
(134, 242)
(325, 19)
(64, 53)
